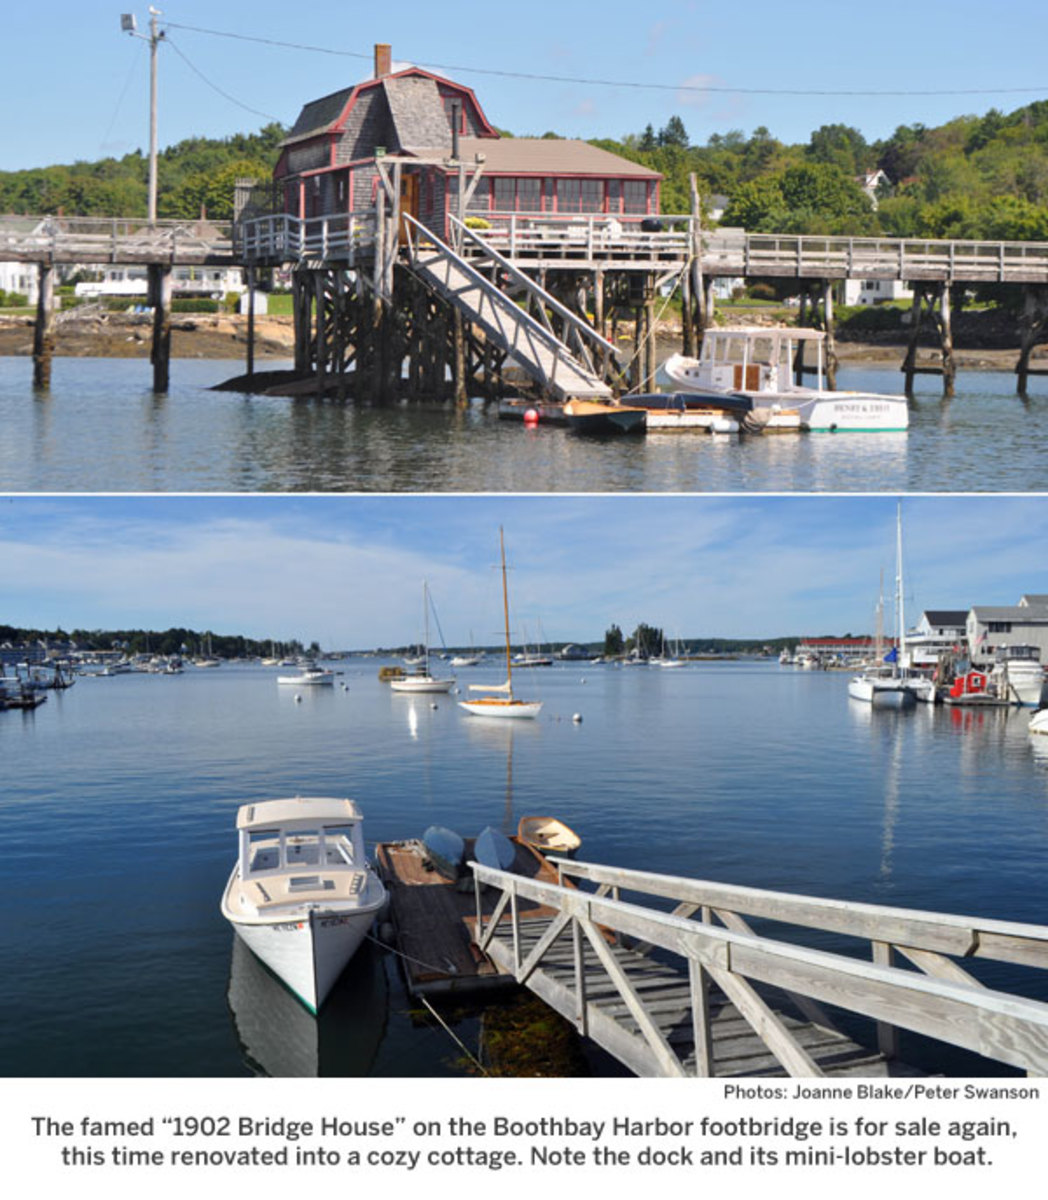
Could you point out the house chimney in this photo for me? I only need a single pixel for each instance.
(456, 121)
(383, 59)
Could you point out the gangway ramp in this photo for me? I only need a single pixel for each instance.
(558, 369)
(671, 995)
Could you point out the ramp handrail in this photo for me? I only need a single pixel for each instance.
(520, 321)
(583, 330)
(999, 1026)
(933, 932)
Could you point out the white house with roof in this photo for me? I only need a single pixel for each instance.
(989, 627)
(938, 631)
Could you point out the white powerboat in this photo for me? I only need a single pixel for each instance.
(302, 894)
(1039, 722)
(309, 677)
(1018, 676)
(500, 702)
(758, 365)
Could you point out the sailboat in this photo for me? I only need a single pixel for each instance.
(502, 702)
(421, 680)
(881, 686)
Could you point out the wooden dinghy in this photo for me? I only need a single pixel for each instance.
(548, 835)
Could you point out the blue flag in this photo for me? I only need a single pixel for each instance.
(892, 655)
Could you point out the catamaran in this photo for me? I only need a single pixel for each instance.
(302, 894)
(501, 702)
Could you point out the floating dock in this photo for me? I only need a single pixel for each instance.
(433, 918)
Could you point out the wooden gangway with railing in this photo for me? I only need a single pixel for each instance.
(699, 990)
(97, 240)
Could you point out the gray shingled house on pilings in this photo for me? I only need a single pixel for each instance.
(434, 256)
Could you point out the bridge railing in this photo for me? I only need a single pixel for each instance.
(939, 1000)
(587, 235)
(736, 252)
(113, 239)
(348, 238)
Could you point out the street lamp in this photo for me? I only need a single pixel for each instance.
(129, 25)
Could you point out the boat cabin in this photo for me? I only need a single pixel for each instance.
(296, 850)
(757, 359)
(451, 158)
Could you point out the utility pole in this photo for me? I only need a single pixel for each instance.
(129, 25)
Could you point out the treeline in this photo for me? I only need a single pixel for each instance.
(649, 641)
(147, 641)
(195, 175)
(974, 177)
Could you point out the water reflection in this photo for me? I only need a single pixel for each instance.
(195, 439)
(279, 1038)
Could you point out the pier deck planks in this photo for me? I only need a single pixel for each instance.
(737, 1050)
(433, 917)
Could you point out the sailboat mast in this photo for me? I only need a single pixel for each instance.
(425, 621)
(505, 611)
(901, 644)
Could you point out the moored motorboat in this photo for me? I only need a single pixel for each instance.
(309, 677)
(1039, 722)
(549, 835)
(759, 365)
(1018, 675)
(302, 894)
(593, 417)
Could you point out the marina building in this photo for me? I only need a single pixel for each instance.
(990, 628)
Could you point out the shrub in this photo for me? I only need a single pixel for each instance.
(195, 306)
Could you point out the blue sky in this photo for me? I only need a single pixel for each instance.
(80, 86)
(348, 570)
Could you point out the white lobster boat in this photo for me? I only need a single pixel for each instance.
(302, 895)
(758, 365)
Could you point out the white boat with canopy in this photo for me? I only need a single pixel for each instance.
(759, 365)
(302, 894)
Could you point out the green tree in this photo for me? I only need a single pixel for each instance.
(614, 643)
(840, 146)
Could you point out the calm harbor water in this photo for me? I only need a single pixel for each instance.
(101, 428)
(120, 797)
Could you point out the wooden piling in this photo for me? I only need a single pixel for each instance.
(909, 363)
(250, 350)
(829, 326)
(44, 332)
(160, 298)
(945, 324)
(1033, 325)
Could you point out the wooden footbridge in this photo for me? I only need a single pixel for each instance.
(700, 991)
(545, 291)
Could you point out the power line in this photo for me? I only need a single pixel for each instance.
(214, 86)
(628, 83)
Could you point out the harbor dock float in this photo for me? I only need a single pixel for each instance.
(432, 918)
